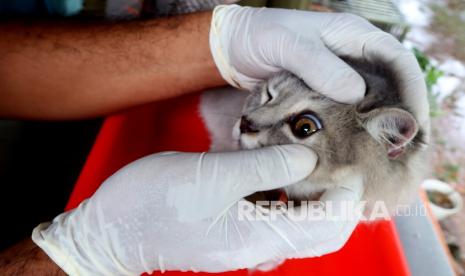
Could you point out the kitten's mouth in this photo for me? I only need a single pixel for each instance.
(279, 195)
(394, 153)
(271, 195)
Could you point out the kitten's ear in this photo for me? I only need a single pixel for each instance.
(393, 127)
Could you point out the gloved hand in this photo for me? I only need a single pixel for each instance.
(251, 44)
(179, 211)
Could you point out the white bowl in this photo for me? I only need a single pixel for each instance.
(442, 187)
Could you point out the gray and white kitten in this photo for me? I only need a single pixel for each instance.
(377, 138)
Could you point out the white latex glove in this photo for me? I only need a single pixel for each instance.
(251, 44)
(179, 211)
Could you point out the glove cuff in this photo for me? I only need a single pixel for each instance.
(74, 248)
(219, 53)
(53, 250)
(220, 36)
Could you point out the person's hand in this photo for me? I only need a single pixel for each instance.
(180, 211)
(251, 44)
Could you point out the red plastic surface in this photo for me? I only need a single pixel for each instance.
(373, 249)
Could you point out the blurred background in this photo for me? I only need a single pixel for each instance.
(38, 154)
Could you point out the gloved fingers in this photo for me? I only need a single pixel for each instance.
(349, 35)
(240, 173)
(322, 70)
(325, 237)
(261, 169)
(411, 80)
(351, 190)
(272, 43)
(307, 231)
(318, 228)
(211, 183)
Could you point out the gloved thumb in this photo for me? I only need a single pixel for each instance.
(223, 178)
(269, 167)
(265, 168)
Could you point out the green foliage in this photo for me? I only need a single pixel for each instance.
(448, 172)
(422, 59)
(432, 75)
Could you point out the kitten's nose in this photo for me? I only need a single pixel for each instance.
(246, 126)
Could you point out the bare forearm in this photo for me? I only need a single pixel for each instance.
(26, 258)
(53, 70)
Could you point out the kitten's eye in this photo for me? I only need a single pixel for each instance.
(305, 124)
(268, 94)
